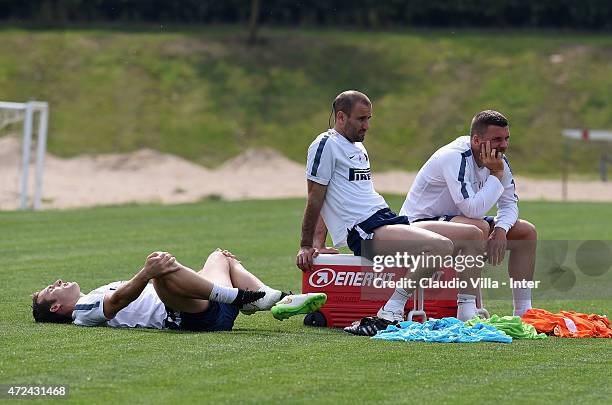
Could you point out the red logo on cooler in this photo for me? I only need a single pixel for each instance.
(322, 278)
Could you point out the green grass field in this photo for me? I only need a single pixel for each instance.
(201, 93)
(264, 360)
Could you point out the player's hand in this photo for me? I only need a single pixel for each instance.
(328, 250)
(159, 264)
(227, 253)
(491, 159)
(496, 246)
(305, 257)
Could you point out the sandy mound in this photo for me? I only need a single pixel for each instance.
(261, 173)
(10, 151)
(150, 176)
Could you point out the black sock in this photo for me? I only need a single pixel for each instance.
(245, 297)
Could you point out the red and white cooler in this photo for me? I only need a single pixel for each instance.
(354, 290)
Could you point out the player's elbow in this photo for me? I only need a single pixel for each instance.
(113, 304)
(110, 311)
(473, 211)
(315, 200)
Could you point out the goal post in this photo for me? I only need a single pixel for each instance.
(588, 135)
(12, 113)
(585, 135)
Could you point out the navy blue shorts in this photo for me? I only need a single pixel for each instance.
(447, 218)
(365, 230)
(217, 317)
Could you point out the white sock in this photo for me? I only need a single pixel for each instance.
(223, 294)
(398, 300)
(263, 304)
(521, 298)
(466, 307)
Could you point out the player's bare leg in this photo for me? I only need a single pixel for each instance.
(483, 225)
(468, 240)
(188, 291)
(428, 242)
(522, 243)
(419, 241)
(217, 267)
(282, 305)
(521, 263)
(241, 277)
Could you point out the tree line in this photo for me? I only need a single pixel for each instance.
(583, 14)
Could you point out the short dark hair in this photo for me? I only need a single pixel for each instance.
(42, 312)
(483, 119)
(347, 99)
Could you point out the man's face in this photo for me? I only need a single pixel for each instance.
(61, 295)
(498, 136)
(356, 125)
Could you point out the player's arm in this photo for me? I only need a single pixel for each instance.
(316, 197)
(319, 170)
(320, 236)
(455, 169)
(507, 205)
(157, 264)
(507, 214)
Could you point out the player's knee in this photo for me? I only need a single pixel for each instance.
(444, 246)
(166, 282)
(475, 232)
(530, 230)
(526, 230)
(436, 244)
(217, 255)
(484, 228)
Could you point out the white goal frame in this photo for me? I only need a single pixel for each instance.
(29, 110)
(586, 135)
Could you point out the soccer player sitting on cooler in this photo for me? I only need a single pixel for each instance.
(341, 198)
(462, 181)
(178, 297)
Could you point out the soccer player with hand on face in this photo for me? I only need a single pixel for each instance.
(462, 181)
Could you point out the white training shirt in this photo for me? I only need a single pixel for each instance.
(344, 167)
(451, 183)
(146, 311)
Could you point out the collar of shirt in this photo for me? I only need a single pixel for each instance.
(333, 131)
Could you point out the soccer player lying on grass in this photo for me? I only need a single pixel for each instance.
(177, 298)
(461, 182)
